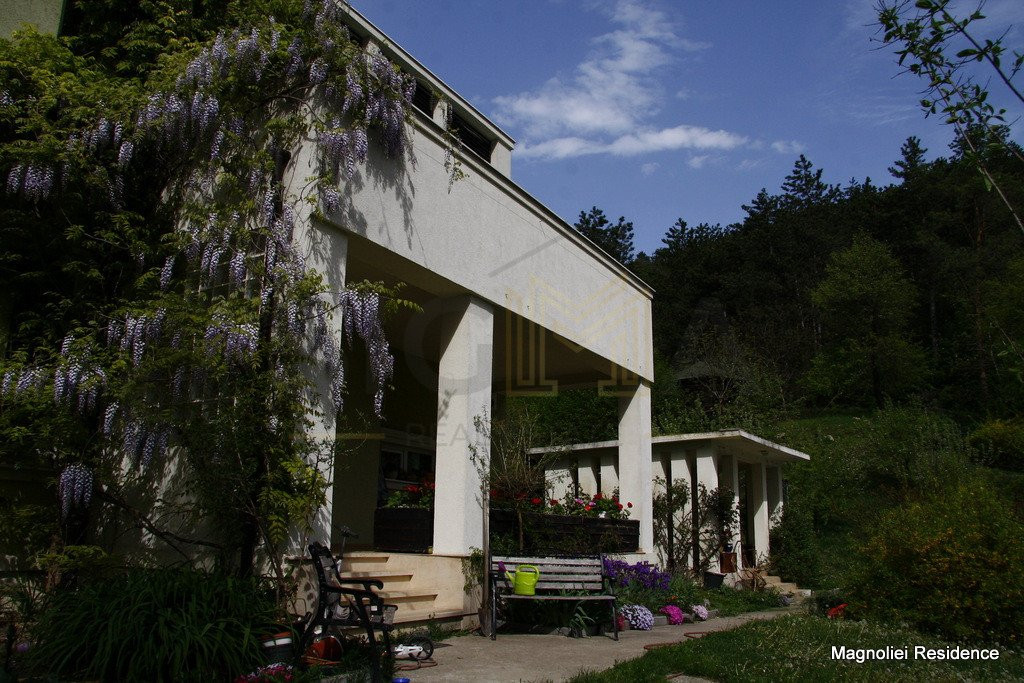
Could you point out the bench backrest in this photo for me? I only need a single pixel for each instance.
(556, 573)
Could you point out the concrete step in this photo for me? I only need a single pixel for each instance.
(410, 601)
(413, 618)
(385, 576)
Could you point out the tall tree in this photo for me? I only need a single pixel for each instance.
(911, 159)
(615, 238)
(866, 303)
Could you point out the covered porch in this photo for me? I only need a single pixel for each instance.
(748, 465)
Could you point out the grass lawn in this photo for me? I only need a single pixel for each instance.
(799, 648)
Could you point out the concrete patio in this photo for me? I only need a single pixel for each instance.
(532, 658)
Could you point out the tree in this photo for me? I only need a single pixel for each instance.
(911, 159)
(160, 310)
(616, 239)
(804, 188)
(866, 303)
(942, 46)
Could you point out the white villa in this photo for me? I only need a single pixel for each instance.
(514, 300)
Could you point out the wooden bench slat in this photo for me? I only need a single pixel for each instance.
(559, 597)
(540, 560)
(553, 569)
(570, 586)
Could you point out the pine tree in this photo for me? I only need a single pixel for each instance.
(616, 239)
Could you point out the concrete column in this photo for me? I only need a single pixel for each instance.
(325, 250)
(773, 474)
(706, 472)
(558, 476)
(463, 395)
(586, 474)
(679, 472)
(609, 468)
(758, 510)
(661, 467)
(635, 483)
(731, 478)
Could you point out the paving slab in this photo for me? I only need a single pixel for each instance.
(531, 658)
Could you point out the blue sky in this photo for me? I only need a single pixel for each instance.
(661, 109)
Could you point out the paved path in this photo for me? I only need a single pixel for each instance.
(532, 658)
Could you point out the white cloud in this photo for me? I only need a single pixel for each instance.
(649, 168)
(608, 102)
(788, 147)
(749, 164)
(611, 90)
(632, 144)
(698, 162)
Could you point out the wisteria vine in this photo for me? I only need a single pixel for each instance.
(232, 244)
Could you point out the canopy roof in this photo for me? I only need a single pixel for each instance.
(744, 445)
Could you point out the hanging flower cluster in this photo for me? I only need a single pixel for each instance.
(74, 488)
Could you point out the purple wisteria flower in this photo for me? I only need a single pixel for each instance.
(74, 487)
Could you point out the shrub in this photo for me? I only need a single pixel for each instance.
(948, 563)
(1003, 442)
(154, 625)
(796, 554)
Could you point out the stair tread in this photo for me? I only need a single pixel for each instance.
(386, 594)
(374, 575)
(428, 614)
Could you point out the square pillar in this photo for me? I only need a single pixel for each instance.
(608, 465)
(586, 475)
(559, 476)
(326, 250)
(773, 474)
(635, 483)
(706, 472)
(730, 477)
(463, 396)
(758, 510)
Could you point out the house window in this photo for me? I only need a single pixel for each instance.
(401, 466)
(470, 138)
(423, 99)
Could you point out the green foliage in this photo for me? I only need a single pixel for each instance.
(616, 239)
(866, 304)
(141, 153)
(948, 563)
(798, 648)
(154, 625)
(796, 551)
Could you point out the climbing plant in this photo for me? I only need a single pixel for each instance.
(157, 312)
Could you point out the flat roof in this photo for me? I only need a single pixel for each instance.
(745, 445)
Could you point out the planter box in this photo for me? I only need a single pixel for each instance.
(727, 562)
(568, 535)
(403, 530)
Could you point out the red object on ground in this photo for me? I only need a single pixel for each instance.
(837, 611)
(328, 649)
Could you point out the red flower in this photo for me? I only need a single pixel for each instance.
(536, 501)
(597, 496)
(629, 505)
(412, 488)
(837, 612)
(429, 485)
(620, 505)
(554, 501)
(520, 496)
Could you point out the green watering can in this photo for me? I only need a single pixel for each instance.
(524, 581)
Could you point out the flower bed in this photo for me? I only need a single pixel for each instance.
(567, 534)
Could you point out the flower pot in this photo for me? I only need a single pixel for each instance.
(713, 580)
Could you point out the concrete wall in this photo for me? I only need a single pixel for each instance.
(491, 238)
(45, 15)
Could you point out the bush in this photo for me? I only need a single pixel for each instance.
(1003, 442)
(948, 563)
(796, 554)
(154, 625)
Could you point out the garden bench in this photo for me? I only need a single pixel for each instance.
(344, 606)
(583, 576)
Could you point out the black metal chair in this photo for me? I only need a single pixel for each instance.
(344, 606)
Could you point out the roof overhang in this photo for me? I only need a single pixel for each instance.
(745, 446)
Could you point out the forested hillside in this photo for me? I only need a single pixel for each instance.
(880, 328)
